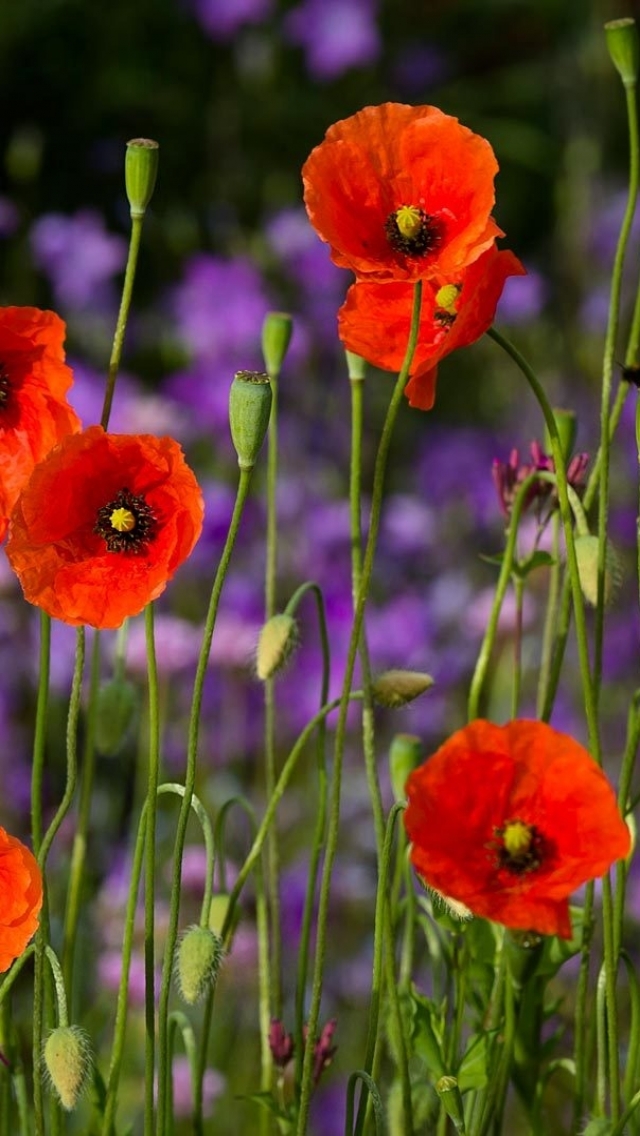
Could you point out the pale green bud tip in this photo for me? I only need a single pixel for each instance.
(567, 427)
(277, 330)
(115, 710)
(276, 643)
(451, 1098)
(140, 172)
(356, 366)
(622, 42)
(404, 756)
(396, 687)
(587, 557)
(67, 1059)
(199, 957)
(249, 411)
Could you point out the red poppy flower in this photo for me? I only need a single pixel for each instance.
(375, 319)
(103, 523)
(34, 412)
(510, 820)
(402, 193)
(20, 898)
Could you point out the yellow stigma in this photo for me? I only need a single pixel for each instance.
(409, 220)
(123, 520)
(447, 298)
(517, 837)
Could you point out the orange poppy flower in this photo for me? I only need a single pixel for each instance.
(510, 820)
(375, 319)
(34, 412)
(103, 523)
(20, 898)
(402, 193)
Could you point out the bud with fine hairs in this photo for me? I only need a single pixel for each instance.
(277, 641)
(67, 1060)
(199, 956)
(397, 687)
(587, 556)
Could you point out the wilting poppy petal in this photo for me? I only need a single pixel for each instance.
(20, 898)
(375, 319)
(510, 820)
(402, 193)
(103, 524)
(34, 412)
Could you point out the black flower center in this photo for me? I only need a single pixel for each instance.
(520, 847)
(5, 385)
(413, 232)
(127, 523)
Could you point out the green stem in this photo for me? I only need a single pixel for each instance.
(518, 587)
(61, 994)
(607, 375)
(79, 850)
(123, 315)
(190, 778)
(334, 808)
(551, 629)
(40, 735)
(153, 779)
(72, 751)
(611, 973)
(271, 950)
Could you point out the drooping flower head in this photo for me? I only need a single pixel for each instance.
(20, 898)
(34, 412)
(375, 319)
(510, 820)
(103, 524)
(402, 193)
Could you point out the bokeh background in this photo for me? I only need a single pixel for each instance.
(237, 92)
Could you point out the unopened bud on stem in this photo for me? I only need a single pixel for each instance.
(140, 172)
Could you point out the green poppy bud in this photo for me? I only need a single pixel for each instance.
(567, 427)
(587, 557)
(140, 172)
(276, 337)
(404, 756)
(67, 1060)
(249, 410)
(397, 687)
(276, 643)
(199, 957)
(116, 707)
(451, 1099)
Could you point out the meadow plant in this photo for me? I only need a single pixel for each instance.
(481, 977)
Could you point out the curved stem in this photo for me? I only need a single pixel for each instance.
(334, 808)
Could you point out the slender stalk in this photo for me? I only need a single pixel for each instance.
(40, 734)
(123, 315)
(271, 951)
(334, 808)
(78, 852)
(72, 751)
(518, 587)
(153, 779)
(552, 627)
(190, 777)
(607, 376)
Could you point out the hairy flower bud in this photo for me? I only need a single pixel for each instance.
(397, 687)
(140, 172)
(67, 1059)
(116, 707)
(199, 957)
(276, 337)
(249, 410)
(276, 642)
(587, 557)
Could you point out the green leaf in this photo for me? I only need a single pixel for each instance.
(557, 951)
(267, 1101)
(539, 559)
(472, 1072)
(425, 1039)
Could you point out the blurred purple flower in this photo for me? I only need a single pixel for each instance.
(523, 298)
(221, 19)
(219, 307)
(335, 35)
(78, 256)
(177, 645)
(213, 1085)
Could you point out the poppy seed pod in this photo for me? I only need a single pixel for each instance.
(277, 641)
(67, 1058)
(249, 411)
(276, 337)
(199, 957)
(140, 172)
(116, 706)
(622, 42)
